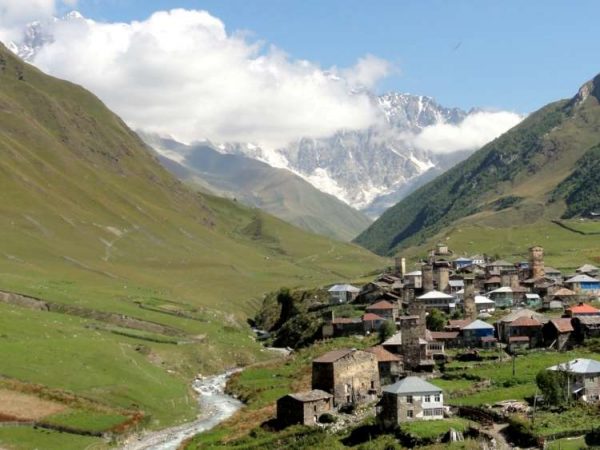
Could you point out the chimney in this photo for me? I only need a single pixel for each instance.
(427, 271)
(469, 298)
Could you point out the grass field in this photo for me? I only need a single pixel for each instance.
(568, 444)
(563, 249)
(24, 438)
(431, 429)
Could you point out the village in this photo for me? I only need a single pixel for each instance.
(480, 306)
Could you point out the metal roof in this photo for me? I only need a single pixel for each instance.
(411, 385)
(310, 396)
(483, 300)
(394, 340)
(479, 325)
(579, 366)
(343, 288)
(582, 279)
(434, 294)
(587, 268)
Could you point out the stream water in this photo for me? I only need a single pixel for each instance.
(215, 407)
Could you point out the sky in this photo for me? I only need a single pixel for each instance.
(513, 55)
(272, 72)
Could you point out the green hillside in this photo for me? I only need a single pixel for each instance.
(147, 282)
(541, 170)
(254, 183)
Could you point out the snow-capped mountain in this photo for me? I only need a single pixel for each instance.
(369, 170)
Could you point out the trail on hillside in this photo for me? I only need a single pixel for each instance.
(215, 407)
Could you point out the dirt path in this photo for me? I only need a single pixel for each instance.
(496, 431)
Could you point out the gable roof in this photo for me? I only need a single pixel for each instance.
(383, 355)
(582, 279)
(562, 325)
(483, 300)
(479, 325)
(443, 335)
(584, 308)
(502, 290)
(492, 280)
(579, 365)
(310, 396)
(411, 385)
(587, 268)
(382, 304)
(500, 263)
(343, 288)
(371, 316)
(564, 292)
(334, 355)
(394, 340)
(524, 321)
(458, 323)
(513, 315)
(434, 294)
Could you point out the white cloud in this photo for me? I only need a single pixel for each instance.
(14, 14)
(180, 73)
(476, 130)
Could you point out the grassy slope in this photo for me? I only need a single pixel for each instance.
(519, 171)
(89, 218)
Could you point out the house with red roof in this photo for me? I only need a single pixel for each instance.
(385, 309)
(372, 322)
(390, 365)
(528, 327)
(582, 309)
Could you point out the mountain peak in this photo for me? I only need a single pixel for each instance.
(591, 87)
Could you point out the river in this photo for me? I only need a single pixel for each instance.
(215, 407)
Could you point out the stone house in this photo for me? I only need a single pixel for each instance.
(350, 375)
(372, 322)
(303, 408)
(504, 297)
(390, 365)
(342, 326)
(516, 343)
(584, 377)
(342, 293)
(495, 268)
(410, 399)
(503, 325)
(558, 333)
(385, 309)
(589, 269)
(484, 304)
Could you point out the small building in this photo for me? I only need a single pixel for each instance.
(461, 262)
(448, 338)
(342, 326)
(553, 274)
(533, 300)
(582, 309)
(457, 324)
(372, 322)
(589, 269)
(492, 283)
(350, 375)
(496, 267)
(566, 296)
(303, 408)
(390, 365)
(584, 284)
(584, 377)
(586, 327)
(455, 286)
(503, 297)
(411, 398)
(414, 279)
(484, 304)
(472, 334)
(342, 293)
(558, 333)
(438, 300)
(527, 326)
(503, 325)
(385, 309)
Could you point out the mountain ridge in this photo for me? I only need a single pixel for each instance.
(523, 166)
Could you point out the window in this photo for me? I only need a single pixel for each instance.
(427, 398)
(409, 414)
(372, 385)
(438, 397)
(409, 399)
(315, 408)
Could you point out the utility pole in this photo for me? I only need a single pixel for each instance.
(514, 356)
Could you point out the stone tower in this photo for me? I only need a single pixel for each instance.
(427, 273)
(469, 298)
(443, 277)
(536, 262)
(400, 266)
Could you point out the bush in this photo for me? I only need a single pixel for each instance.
(387, 330)
(327, 418)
